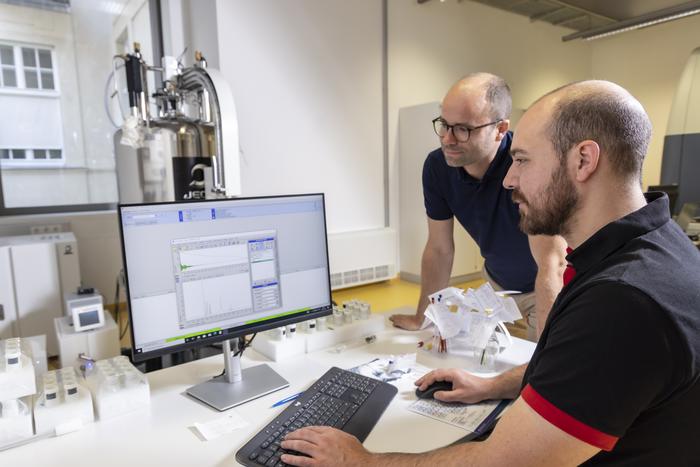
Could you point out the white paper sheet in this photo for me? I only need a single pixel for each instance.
(220, 426)
(465, 416)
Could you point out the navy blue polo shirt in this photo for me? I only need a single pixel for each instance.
(486, 211)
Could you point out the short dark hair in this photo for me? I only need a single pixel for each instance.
(499, 98)
(610, 117)
(496, 93)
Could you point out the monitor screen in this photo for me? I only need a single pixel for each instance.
(672, 192)
(206, 271)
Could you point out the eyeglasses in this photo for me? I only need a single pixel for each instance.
(460, 131)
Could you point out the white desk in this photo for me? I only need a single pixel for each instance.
(162, 436)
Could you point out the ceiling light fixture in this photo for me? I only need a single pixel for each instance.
(642, 21)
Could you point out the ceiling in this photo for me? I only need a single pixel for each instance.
(52, 5)
(588, 18)
(623, 9)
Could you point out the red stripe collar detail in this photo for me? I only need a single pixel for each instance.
(569, 272)
(566, 422)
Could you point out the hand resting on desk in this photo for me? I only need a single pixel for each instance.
(408, 322)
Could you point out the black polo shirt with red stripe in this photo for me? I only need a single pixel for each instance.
(618, 362)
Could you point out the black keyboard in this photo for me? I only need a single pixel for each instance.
(340, 398)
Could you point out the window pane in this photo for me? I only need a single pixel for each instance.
(28, 56)
(45, 58)
(30, 79)
(7, 57)
(9, 79)
(4, 153)
(47, 80)
(41, 174)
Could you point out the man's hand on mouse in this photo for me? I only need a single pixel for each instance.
(466, 387)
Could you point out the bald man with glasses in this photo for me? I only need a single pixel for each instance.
(463, 179)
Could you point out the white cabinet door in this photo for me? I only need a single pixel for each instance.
(8, 314)
(37, 291)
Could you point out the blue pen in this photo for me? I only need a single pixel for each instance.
(287, 399)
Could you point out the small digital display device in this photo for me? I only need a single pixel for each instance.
(85, 310)
(88, 317)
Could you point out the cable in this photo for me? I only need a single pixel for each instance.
(106, 98)
(245, 345)
(239, 352)
(117, 307)
(126, 328)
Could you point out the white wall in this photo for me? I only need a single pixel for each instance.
(434, 44)
(306, 78)
(191, 24)
(201, 29)
(649, 62)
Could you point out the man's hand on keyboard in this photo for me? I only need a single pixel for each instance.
(466, 387)
(324, 446)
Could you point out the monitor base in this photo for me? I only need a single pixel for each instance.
(256, 382)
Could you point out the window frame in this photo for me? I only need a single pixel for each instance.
(157, 36)
(30, 161)
(39, 70)
(4, 66)
(21, 89)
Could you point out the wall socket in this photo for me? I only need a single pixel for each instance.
(45, 229)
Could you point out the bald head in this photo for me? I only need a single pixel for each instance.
(605, 113)
(488, 93)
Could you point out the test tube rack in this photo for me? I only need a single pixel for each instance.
(118, 387)
(63, 403)
(333, 335)
(16, 420)
(17, 375)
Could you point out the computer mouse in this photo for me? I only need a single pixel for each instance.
(433, 388)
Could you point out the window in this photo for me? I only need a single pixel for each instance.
(25, 67)
(29, 86)
(23, 155)
(38, 68)
(8, 74)
(56, 139)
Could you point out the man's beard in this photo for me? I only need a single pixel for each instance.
(553, 207)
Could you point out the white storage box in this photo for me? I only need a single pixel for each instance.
(118, 388)
(64, 404)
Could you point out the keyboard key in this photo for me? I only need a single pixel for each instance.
(332, 401)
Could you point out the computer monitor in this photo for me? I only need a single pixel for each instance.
(672, 191)
(203, 272)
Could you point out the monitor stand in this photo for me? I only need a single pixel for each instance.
(236, 387)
